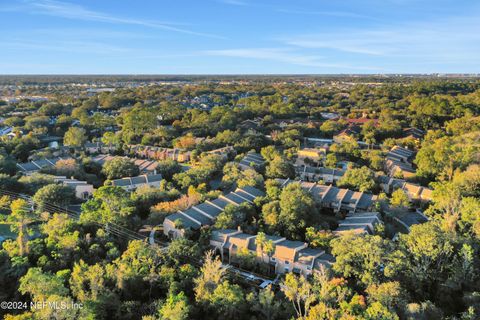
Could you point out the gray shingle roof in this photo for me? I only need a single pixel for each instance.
(253, 191)
(209, 209)
(187, 223)
(198, 216)
(235, 198)
(220, 203)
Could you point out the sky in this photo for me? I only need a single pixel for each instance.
(239, 36)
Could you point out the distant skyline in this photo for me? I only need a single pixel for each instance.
(239, 37)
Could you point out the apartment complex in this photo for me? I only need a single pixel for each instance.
(175, 225)
(28, 168)
(132, 183)
(361, 223)
(399, 163)
(159, 153)
(83, 190)
(314, 174)
(340, 200)
(145, 166)
(98, 147)
(251, 160)
(287, 255)
(413, 191)
(315, 154)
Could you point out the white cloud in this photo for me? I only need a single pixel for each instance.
(286, 55)
(441, 40)
(338, 14)
(234, 2)
(78, 12)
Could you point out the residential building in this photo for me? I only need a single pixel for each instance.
(413, 133)
(315, 174)
(83, 190)
(224, 152)
(414, 192)
(251, 160)
(399, 169)
(175, 225)
(400, 154)
(407, 219)
(348, 134)
(338, 199)
(363, 223)
(132, 183)
(98, 147)
(28, 168)
(288, 255)
(145, 166)
(315, 154)
(159, 153)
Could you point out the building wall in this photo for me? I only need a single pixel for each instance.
(170, 231)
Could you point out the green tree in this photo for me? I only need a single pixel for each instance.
(399, 199)
(297, 209)
(118, 167)
(20, 218)
(75, 137)
(361, 179)
(363, 258)
(266, 304)
(109, 204)
(318, 238)
(234, 175)
(53, 194)
(211, 275)
(279, 167)
(167, 168)
(233, 216)
(176, 307)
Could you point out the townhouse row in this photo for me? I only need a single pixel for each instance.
(27, 168)
(251, 160)
(340, 200)
(159, 153)
(145, 166)
(285, 256)
(414, 192)
(313, 174)
(132, 183)
(205, 214)
(359, 223)
(399, 163)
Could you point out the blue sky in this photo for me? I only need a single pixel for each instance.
(239, 36)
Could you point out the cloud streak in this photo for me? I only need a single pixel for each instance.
(77, 12)
(439, 40)
(338, 14)
(285, 55)
(234, 2)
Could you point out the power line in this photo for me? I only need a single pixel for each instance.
(128, 234)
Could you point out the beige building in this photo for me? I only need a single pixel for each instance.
(288, 256)
(414, 192)
(315, 154)
(315, 174)
(83, 190)
(338, 199)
